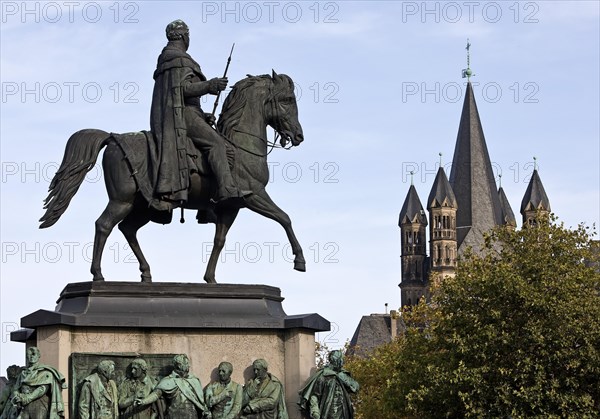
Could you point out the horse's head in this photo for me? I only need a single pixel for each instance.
(283, 110)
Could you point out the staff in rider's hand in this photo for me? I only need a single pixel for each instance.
(224, 75)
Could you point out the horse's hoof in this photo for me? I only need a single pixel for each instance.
(146, 278)
(210, 280)
(300, 266)
(98, 278)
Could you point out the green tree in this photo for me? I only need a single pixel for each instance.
(516, 333)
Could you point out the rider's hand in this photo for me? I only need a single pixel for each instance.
(216, 85)
(210, 119)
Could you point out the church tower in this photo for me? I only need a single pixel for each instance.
(413, 224)
(442, 208)
(535, 202)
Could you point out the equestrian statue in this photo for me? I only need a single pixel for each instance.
(183, 162)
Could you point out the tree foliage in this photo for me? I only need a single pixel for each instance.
(516, 333)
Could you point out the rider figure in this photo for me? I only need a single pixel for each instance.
(176, 118)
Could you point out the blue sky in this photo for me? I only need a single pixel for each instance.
(379, 92)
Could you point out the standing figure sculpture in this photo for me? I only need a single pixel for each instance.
(224, 396)
(176, 118)
(98, 398)
(137, 386)
(12, 373)
(264, 397)
(326, 395)
(182, 392)
(37, 391)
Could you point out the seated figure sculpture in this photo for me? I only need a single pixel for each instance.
(176, 116)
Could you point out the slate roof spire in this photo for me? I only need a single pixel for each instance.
(508, 216)
(412, 210)
(535, 198)
(441, 192)
(472, 179)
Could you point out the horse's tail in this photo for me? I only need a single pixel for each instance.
(80, 156)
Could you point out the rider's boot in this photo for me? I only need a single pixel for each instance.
(227, 194)
(161, 205)
(226, 188)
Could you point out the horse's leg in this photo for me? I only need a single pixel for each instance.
(225, 218)
(129, 227)
(114, 212)
(261, 203)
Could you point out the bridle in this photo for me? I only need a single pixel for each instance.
(276, 129)
(274, 104)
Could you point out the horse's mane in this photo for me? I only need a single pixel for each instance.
(236, 100)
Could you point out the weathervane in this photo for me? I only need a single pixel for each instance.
(467, 71)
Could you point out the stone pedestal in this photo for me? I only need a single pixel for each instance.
(208, 322)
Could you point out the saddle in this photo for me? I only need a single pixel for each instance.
(139, 150)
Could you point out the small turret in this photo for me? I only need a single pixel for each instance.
(442, 207)
(413, 224)
(535, 202)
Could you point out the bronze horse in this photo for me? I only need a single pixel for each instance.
(252, 105)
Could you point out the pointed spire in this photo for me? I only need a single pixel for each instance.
(508, 216)
(412, 210)
(472, 179)
(535, 196)
(441, 192)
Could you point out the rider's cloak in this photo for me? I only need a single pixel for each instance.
(170, 172)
